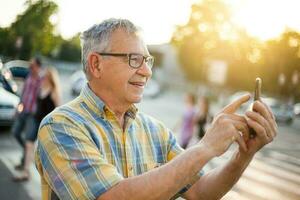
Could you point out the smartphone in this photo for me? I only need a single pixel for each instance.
(257, 93)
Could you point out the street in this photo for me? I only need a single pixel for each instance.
(274, 173)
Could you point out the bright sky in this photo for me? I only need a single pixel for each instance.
(262, 18)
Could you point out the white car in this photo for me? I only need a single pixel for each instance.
(19, 68)
(297, 109)
(8, 107)
(78, 80)
(152, 89)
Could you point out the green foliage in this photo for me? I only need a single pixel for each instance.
(282, 56)
(33, 34)
(70, 50)
(6, 39)
(34, 30)
(203, 38)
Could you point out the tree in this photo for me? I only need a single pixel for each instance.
(33, 31)
(282, 56)
(205, 37)
(7, 40)
(209, 35)
(70, 49)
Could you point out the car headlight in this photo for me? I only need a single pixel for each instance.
(20, 108)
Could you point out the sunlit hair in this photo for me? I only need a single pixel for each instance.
(52, 75)
(97, 38)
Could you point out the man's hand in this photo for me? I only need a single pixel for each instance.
(227, 128)
(263, 122)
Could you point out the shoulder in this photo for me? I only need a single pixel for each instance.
(149, 121)
(70, 112)
(66, 123)
(153, 126)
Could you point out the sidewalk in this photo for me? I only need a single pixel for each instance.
(10, 189)
(10, 153)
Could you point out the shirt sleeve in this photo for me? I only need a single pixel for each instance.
(174, 149)
(72, 164)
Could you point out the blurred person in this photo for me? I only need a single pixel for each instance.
(202, 116)
(99, 146)
(47, 99)
(24, 123)
(187, 122)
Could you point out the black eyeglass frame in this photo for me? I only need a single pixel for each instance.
(129, 55)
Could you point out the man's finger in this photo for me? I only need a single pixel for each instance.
(273, 121)
(260, 131)
(262, 108)
(241, 127)
(259, 107)
(241, 141)
(237, 117)
(269, 110)
(262, 121)
(232, 107)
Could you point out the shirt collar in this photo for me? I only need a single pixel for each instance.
(96, 103)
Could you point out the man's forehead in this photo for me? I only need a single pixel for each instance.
(122, 40)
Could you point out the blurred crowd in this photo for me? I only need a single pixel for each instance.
(40, 95)
(195, 119)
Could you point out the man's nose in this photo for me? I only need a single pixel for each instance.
(145, 70)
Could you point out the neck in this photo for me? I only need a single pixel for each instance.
(117, 107)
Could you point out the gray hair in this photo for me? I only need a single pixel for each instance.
(97, 38)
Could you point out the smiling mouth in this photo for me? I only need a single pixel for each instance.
(138, 84)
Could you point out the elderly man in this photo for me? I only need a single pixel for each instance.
(99, 146)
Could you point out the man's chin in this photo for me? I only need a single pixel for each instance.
(137, 98)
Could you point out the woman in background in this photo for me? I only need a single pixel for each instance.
(187, 125)
(202, 116)
(47, 100)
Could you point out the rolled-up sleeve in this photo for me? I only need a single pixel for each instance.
(72, 164)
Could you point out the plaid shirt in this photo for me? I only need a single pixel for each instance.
(82, 150)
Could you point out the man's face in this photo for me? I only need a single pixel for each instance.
(118, 79)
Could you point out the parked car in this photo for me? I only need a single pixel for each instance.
(78, 79)
(152, 89)
(8, 106)
(297, 109)
(7, 81)
(283, 112)
(19, 68)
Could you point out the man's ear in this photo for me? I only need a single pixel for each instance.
(95, 62)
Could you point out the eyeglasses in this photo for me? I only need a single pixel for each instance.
(134, 60)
